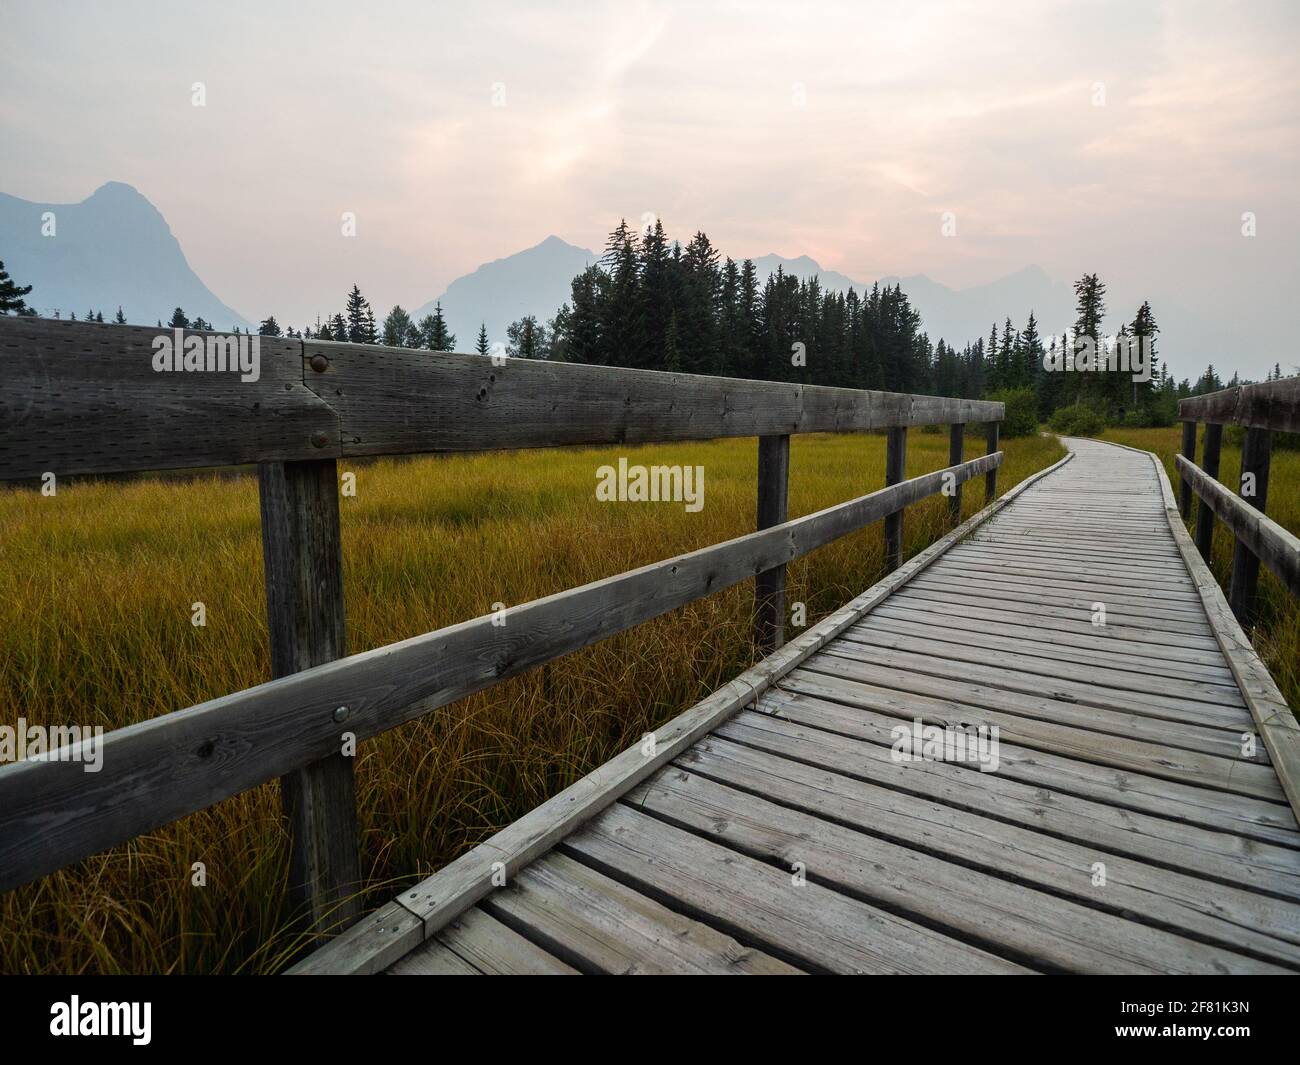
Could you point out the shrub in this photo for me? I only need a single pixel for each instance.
(1077, 420)
(1022, 411)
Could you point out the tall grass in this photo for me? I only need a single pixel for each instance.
(1276, 636)
(96, 589)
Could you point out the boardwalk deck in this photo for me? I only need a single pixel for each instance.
(1134, 822)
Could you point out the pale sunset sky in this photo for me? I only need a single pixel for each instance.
(1126, 138)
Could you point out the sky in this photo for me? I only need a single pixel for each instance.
(1125, 138)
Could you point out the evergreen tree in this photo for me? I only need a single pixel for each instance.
(398, 328)
(179, 321)
(269, 327)
(527, 339)
(11, 295)
(355, 310)
(481, 345)
(119, 318)
(433, 331)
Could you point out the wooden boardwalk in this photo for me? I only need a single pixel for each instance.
(1133, 822)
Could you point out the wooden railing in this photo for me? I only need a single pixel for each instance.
(83, 399)
(1261, 409)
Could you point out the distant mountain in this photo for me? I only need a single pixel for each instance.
(535, 281)
(804, 269)
(112, 249)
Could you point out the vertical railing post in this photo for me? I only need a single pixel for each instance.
(1189, 453)
(991, 478)
(303, 557)
(956, 451)
(1256, 450)
(1210, 464)
(769, 586)
(895, 471)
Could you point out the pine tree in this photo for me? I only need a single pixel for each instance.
(527, 339)
(119, 318)
(481, 345)
(397, 327)
(269, 327)
(11, 295)
(179, 321)
(433, 331)
(355, 310)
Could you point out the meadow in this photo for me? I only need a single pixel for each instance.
(1276, 636)
(97, 588)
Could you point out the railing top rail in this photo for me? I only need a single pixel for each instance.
(85, 398)
(1268, 405)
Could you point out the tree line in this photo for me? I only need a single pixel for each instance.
(651, 303)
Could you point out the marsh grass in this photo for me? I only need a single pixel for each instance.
(1277, 635)
(96, 589)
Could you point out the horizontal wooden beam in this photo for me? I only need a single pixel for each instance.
(394, 400)
(1268, 405)
(85, 398)
(53, 813)
(1276, 548)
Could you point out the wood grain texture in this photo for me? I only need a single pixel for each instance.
(773, 496)
(302, 553)
(395, 400)
(1256, 453)
(84, 398)
(1267, 405)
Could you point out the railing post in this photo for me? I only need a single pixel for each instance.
(769, 586)
(991, 478)
(1189, 453)
(956, 451)
(1210, 464)
(1256, 450)
(302, 553)
(895, 471)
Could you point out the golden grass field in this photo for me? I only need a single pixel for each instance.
(96, 587)
(1277, 635)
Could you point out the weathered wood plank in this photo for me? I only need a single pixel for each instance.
(1189, 453)
(1208, 472)
(813, 927)
(956, 455)
(1256, 451)
(1266, 405)
(773, 496)
(84, 398)
(1232, 838)
(303, 558)
(395, 400)
(606, 927)
(1043, 931)
(485, 944)
(895, 472)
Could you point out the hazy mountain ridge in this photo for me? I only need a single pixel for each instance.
(115, 248)
(112, 249)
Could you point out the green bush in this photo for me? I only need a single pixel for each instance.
(1077, 420)
(1022, 411)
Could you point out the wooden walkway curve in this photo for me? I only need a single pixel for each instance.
(1134, 821)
